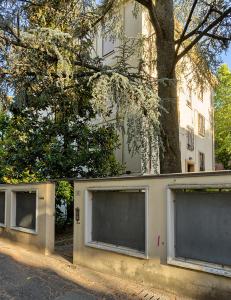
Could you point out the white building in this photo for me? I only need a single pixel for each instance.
(195, 104)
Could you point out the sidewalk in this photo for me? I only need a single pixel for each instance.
(27, 275)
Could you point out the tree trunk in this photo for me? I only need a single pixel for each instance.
(170, 157)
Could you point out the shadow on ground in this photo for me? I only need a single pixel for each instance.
(64, 244)
(19, 281)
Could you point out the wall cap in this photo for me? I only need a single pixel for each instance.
(159, 176)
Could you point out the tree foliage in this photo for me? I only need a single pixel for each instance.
(37, 148)
(48, 61)
(47, 58)
(64, 200)
(205, 27)
(223, 116)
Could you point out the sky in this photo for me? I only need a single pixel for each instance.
(226, 57)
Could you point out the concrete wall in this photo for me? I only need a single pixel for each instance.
(42, 238)
(154, 268)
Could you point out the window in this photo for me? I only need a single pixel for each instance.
(212, 98)
(211, 117)
(189, 100)
(116, 221)
(201, 94)
(2, 208)
(201, 161)
(190, 139)
(201, 125)
(151, 54)
(199, 224)
(24, 211)
(108, 45)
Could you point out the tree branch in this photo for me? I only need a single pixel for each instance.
(203, 33)
(105, 9)
(189, 19)
(31, 2)
(217, 37)
(143, 2)
(194, 31)
(152, 14)
(7, 28)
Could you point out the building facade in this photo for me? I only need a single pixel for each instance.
(195, 104)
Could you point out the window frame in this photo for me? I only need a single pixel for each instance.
(199, 161)
(189, 99)
(185, 262)
(190, 131)
(4, 224)
(201, 95)
(105, 39)
(88, 222)
(13, 212)
(201, 133)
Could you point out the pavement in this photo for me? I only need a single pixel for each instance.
(20, 281)
(26, 275)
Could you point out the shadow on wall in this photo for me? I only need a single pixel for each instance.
(30, 241)
(25, 240)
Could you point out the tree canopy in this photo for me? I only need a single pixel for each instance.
(47, 62)
(223, 116)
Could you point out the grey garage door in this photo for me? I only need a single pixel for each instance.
(118, 218)
(2, 207)
(26, 210)
(203, 226)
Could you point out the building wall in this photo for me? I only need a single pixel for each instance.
(153, 269)
(132, 27)
(188, 116)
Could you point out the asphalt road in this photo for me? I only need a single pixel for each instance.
(26, 275)
(21, 282)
